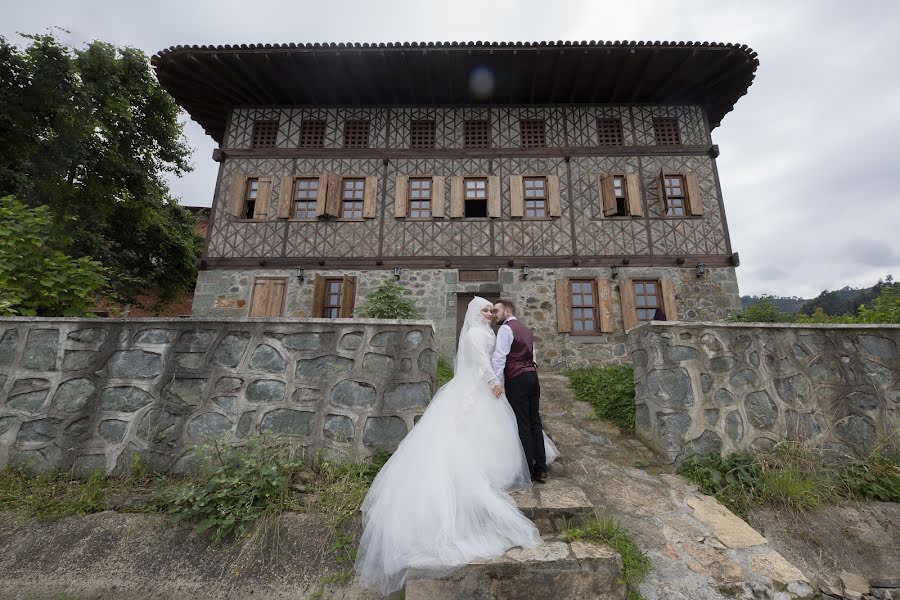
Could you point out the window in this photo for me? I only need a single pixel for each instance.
(584, 306)
(250, 194)
(646, 299)
(352, 198)
(334, 293)
(421, 134)
(419, 198)
(264, 134)
(356, 134)
(312, 134)
(306, 195)
(666, 131)
(609, 132)
(535, 197)
(531, 132)
(674, 195)
(621, 194)
(477, 134)
(475, 197)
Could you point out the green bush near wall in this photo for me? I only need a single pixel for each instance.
(609, 389)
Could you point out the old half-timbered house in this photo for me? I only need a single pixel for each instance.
(576, 178)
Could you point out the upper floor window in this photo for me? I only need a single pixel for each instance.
(312, 134)
(673, 188)
(531, 133)
(251, 192)
(535, 189)
(421, 134)
(609, 132)
(666, 131)
(476, 197)
(306, 196)
(356, 134)
(620, 191)
(584, 306)
(477, 134)
(646, 299)
(419, 197)
(265, 133)
(352, 198)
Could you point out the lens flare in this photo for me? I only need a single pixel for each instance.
(481, 82)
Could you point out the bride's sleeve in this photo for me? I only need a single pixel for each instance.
(479, 347)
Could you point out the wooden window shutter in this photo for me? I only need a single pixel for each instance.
(668, 293)
(633, 189)
(286, 197)
(563, 306)
(457, 201)
(626, 296)
(348, 302)
(263, 198)
(693, 192)
(333, 195)
(276, 298)
(493, 203)
(604, 305)
(322, 195)
(516, 197)
(369, 195)
(554, 203)
(401, 196)
(608, 195)
(437, 197)
(318, 307)
(661, 184)
(260, 297)
(238, 190)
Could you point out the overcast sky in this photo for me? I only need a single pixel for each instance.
(810, 166)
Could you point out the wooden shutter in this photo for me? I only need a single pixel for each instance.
(333, 195)
(493, 203)
(318, 307)
(260, 297)
(604, 305)
(633, 189)
(369, 195)
(276, 297)
(608, 195)
(263, 198)
(516, 197)
(563, 306)
(626, 296)
(554, 203)
(237, 192)
(437, 197)
(348, 301)
(457, 201)
(322, 195)
(661, 184)
(401, 196)
(286, 197)
(668, 295)
(693, 192)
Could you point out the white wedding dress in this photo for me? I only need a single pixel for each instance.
(442, 500)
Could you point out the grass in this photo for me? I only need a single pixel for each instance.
(609, 389)
(444, 372)
(795, 476)
(607, 531)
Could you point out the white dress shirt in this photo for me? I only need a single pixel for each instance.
(504, 344)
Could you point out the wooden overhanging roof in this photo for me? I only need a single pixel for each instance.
(210, 80)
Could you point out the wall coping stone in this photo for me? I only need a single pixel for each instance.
(287, 321)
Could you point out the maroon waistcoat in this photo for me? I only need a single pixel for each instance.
(521, 354)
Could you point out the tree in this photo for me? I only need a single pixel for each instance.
(36, 278)
(89, 133)
(763, 311)
(387, 302)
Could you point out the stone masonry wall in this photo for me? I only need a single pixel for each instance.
(714, 387)
(89, 394)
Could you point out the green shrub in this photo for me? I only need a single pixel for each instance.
(635, 563)
(732, 480)
(874, 476)
(609, 389)
(763, 311)
(387, 302)
(444, 372)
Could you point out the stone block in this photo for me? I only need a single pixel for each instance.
(210, 423)
(124, 399)
(39, 430)
(266, 358)
(41, 348)
(138, 364)
(406, 396)
(339, 428)
(75, 360)
(383, 432)
(322, 368)
(185, 391)
(113, 430)
(380, 366)
(353, 394)
(88, 335)
(428, 360)
(73, 395)
(230, 350)
(154, 336)
(351, 341)
(761, 410)
(265, 390)
(28, 401)
(670, 387)
(286, 421)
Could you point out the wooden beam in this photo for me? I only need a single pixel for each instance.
(215, 81)
(409, 77)
(279, 79)
(384, 76)
(696, 80)
(651, 56)
(534, 66)
(449, 77)
(308, 89)
(555, 80)
(600, 78)
(248, 75)
(238, 79)
(661, 88)
(575, 76)
(620, 76)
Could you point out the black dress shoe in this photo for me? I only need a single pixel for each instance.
(540, 477)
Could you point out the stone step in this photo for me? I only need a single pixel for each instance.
(556, 569)
(554, 505)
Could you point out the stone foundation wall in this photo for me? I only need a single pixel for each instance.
(714, 387)
(226, 293)
(89, 394)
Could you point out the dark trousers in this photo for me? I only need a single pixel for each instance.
(524, 395)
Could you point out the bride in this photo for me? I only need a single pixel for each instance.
(441, 500)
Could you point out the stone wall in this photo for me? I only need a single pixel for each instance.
(714, 387)
(226, 294)
(90, 393)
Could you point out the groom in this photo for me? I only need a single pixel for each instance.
(514, 366)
